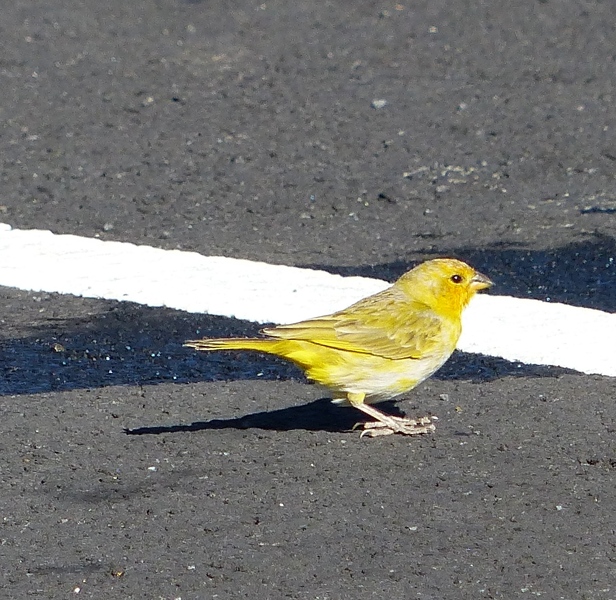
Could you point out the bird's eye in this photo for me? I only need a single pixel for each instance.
(457, 278)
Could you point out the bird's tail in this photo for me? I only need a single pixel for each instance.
(261, 345)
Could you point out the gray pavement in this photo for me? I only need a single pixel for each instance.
(135, 468)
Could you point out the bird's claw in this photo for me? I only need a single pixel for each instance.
(401, 425)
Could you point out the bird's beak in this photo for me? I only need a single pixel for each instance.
(480, 282)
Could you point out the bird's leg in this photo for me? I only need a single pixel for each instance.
(404, 426)
(388, 424)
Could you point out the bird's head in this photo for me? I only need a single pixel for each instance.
(445, 284)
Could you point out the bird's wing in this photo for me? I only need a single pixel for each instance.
(384, 325)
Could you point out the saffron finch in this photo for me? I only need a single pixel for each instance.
(381, 346)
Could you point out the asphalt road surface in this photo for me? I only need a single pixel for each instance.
(356, 137)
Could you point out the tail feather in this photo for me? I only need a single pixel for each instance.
(261, 345)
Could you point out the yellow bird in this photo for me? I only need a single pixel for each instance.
(381, 346)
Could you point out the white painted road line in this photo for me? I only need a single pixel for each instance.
(516, 329)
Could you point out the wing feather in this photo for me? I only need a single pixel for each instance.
(386, 324)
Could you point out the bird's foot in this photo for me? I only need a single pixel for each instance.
(403, 425)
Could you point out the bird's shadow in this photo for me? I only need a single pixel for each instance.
(319, 415)
(323, 415)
